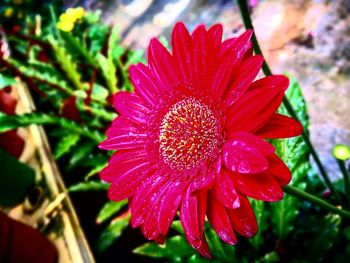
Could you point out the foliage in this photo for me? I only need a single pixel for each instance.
(72, 72)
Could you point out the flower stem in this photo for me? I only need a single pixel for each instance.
(315, 200)
(346, 177)
(243, 7)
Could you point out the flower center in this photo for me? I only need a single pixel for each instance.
(189, 134)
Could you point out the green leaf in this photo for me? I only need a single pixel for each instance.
(295, 154)
(175, 249)
(15, 179)
(10, 122)
(6, 81)
(109, 209)
(269, 258)
(44, 73)
(89, 186)
(96, 169)
(326, 233)
(108, 71)
(81, 152)
(67, 64)
(261, 214)
(112, 232)
(65, 144)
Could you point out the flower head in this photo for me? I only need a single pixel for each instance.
(191, 137)
(69, 18)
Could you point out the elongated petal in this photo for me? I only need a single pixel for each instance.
(192, 215)
(163, 64)
(252, 140)
(145, 198)
(242, 157)
(259, 186)
(220, 221)
(228, 64)
(150, 227)
(280, 126)
(253, 110)
(243, 218)
(182, 49)
(145, 85)
(279, 170)
(169, 205)
(224, 190)
(120, 162)
(127, 181)
(124, 140)
(131, 106)
(275, 81)
(247, 72)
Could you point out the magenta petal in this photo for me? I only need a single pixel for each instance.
(182, 49)
(192, 215)
(169, 205)
(145, 86)
(243, 218)
(203, 249)
(247, 72)
(145, 197)
(131, 106)
(280, 126)
(124, 140)
(252, 110)
(228, 63)
(279, 170)
(275, 81)
(121, 162)
(224, 190)
(239, 156)
(260, 186)
(163, 64)
(254, 141)
(220, 221)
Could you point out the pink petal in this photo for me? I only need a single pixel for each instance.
(145, 84)
(123, 140)
(121, 162)
(169, 205)
(192, 215)
(240, 156)
(243, 219)
(279, 170)
(182, 49)
(260, 186)
(150, 227)
(201, 62)
(224, 190)
(145, 197)
(220, 221)
(215, 36)
(280, 126)
(228, 64)
(163, 64)
(276, 81)
(247, 72)
(131, 106)
(255, 141)
(204, 249)
(252, 110)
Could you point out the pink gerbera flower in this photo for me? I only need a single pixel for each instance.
(191, 137)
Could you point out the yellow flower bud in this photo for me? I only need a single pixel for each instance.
(66, 26)
(8, 12)
(341, 152)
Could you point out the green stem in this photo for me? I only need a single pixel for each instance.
(346, 177)
(315, 200)
(266, 69)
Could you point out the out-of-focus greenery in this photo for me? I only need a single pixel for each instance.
(72, 75)
(73, 64)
